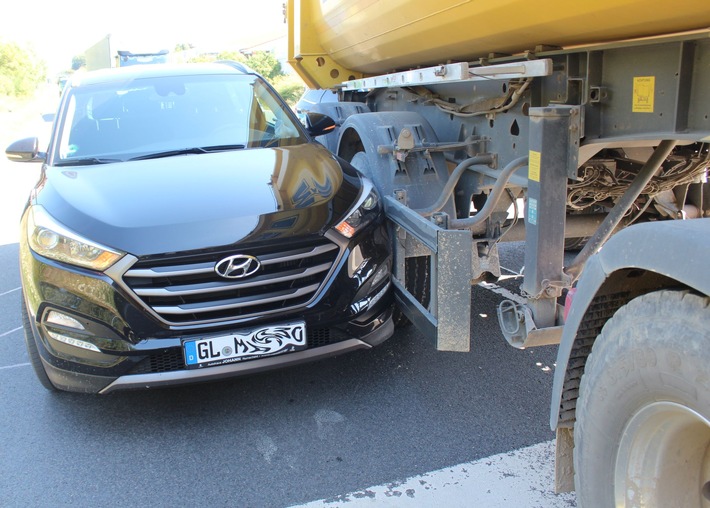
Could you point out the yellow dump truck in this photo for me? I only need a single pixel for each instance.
(581, 127)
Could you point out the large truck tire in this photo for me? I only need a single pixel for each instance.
(642, 435)
(417, 278)
(416, 269)
(361, 136)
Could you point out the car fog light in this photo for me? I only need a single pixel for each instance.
(58, 318)
(72, 341)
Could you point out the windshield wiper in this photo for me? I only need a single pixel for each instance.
(86, 161)
(187, 151)
(168, 153)
(218, 148)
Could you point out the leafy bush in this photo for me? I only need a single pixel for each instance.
(7, 87)
(21, 71)
(291, 88)
(266, 64)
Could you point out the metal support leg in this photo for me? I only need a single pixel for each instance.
(554, 141)
(554, 146)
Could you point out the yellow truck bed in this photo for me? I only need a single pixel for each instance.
(331, 41)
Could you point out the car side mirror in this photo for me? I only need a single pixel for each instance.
(318, 124)
(25, 150)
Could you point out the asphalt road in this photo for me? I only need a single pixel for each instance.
(273, 440)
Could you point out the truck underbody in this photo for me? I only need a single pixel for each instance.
(465, 159)
(562, 149)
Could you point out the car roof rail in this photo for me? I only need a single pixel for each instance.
(243, 68)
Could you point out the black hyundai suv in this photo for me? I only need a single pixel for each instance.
(186, 228)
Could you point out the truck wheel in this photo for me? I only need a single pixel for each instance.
(417, 283)
(32, 351)
(642, 436)
(416, 269)
(361, 137)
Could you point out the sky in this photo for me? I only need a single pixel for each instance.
(58, 30)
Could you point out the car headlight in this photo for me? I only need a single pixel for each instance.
(364, 211)
(50, 239)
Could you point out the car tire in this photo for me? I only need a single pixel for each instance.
(642, 434)
(33, 352)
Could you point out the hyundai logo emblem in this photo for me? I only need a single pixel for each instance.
(237, 267)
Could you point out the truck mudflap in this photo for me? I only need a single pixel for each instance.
(449, 325)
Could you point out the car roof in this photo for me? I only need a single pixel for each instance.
(119, 74)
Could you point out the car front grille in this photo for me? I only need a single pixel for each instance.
(185, 289)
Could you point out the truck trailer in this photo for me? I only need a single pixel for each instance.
(579, 129)
(106, 54)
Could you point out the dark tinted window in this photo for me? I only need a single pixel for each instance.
(141, 116)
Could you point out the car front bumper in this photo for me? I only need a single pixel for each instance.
(121, 345)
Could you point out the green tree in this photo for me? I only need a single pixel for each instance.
(78, 62)
(21, 71)
(235, 56)
(266, 64)
(290, 87)
(205, 57)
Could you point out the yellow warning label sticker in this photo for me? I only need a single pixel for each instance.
(644, 91)
(534, 166)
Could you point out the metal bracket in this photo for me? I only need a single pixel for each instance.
(441, 219)
(454, 73)
(448, 321)
(519, 329)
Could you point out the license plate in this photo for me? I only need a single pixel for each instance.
(245, 345)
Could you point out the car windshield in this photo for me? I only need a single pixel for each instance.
(166, 116)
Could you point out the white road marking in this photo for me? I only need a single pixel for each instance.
(11, 331)
(516, 274)
(523, 478)
(14, 366)
(503, 292)
(11, 291)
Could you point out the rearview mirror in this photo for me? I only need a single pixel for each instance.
(25, 150)
(318, 124)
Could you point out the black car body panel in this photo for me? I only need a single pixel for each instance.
(128, 256)
(190, 202)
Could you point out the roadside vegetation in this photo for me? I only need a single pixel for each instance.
(289, 86)
(21, 72)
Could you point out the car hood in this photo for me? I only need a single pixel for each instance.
(191, 202)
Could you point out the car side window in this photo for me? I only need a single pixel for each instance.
(279, 125)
